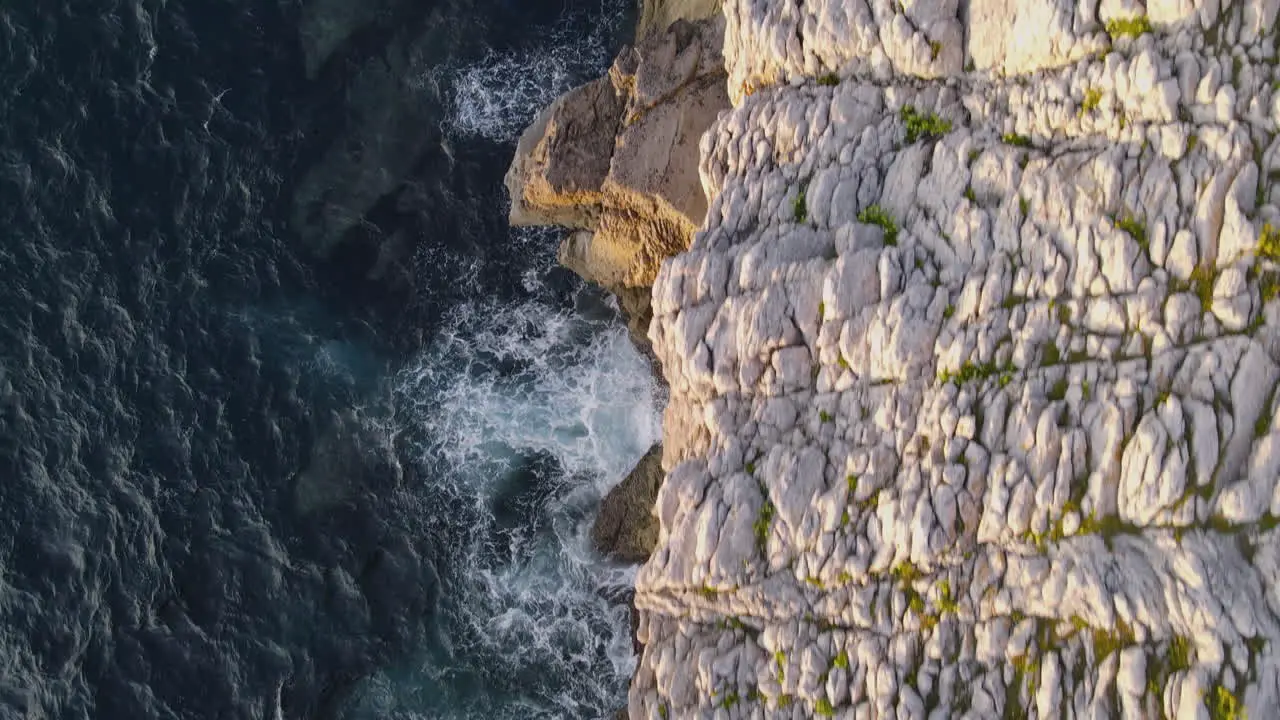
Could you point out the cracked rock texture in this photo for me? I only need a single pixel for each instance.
(973, 369)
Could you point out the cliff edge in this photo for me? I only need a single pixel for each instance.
(973, 369)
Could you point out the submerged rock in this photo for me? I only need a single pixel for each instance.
(626, 529)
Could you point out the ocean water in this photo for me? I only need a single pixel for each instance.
(249, 469)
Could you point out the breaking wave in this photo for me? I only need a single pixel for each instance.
(499, 95)
(522, 415)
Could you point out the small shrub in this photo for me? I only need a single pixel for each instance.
(798, 208)
(825, 416)
(841, 661)
(1016, 140)
(1269, 243)
(923, 126)
(852, 481)
(1058, 391)
(1131, 26)
(761, 526)
(935, 49)
(823, 708)
(1179, 654)
(969, 195)
(1023, 206)
(876, 215)
(730, 699)
(1064, 314)
(829, 80)
(946, 602)
(1223, 705)
(906, 573)
(871, 503)
(822, 311)
(970, 371)
(1202, 279)
(1135, 229)
(1052, 355)
(1092, 100)
(949, 312)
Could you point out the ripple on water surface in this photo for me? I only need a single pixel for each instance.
(225, 494)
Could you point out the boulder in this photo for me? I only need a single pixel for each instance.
(616, 160)
(626, 529)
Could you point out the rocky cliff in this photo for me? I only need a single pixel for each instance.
(615, 159)
(973, 365)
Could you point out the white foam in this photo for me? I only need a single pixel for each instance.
(499, 384)
(498, 96)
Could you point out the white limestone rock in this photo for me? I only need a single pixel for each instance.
(973, 384)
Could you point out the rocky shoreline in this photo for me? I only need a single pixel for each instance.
(615, 163)
(973, 360)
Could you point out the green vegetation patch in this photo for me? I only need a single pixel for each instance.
(1058, 391)
(823, 708)
(829, 80)
(876, 215)
(1269, 243)
(1092, 100)
(1106, 642)
(1135, 229)
(799, 210)
(1179, 653)
(1016, 140)
(1128, 27)
(920, 125)
(946, 600)
(1052, 355)
(969, 372)
(761, 526)
(1202, 279)
(1224, 705)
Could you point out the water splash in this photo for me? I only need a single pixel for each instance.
(498, 96)
(522, 416)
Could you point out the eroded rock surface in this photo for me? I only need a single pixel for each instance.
(617, 158)
(973, 369)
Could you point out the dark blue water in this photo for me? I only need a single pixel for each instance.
(291, 424)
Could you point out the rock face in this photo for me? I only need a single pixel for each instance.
(626, 529)
(973, 369)
(616, 159)
(658, 15)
